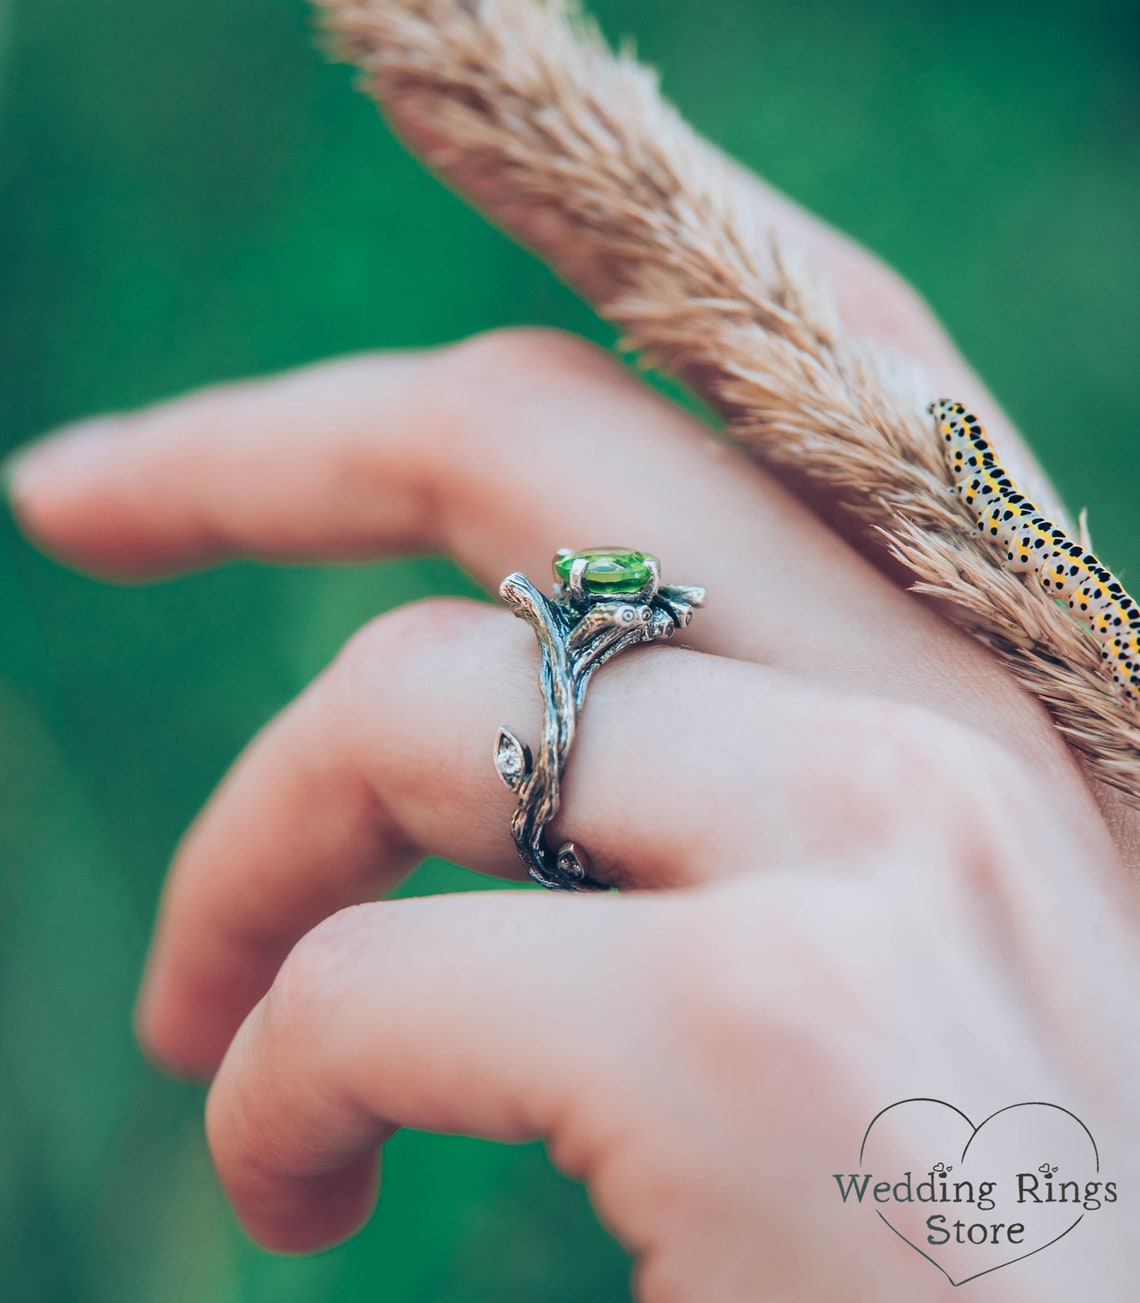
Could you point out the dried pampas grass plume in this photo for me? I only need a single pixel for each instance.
(521, 104)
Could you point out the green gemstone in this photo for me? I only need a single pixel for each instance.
(608, 569)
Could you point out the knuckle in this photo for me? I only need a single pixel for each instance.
(738, 1017)
(957, 768)
(911, 752)
(488, 391)
(905, 759)
(522, 358)
(316, 977)
(903, 313)
(402, 705)
(959, 796)
(375, 657)
(891, 309)
(879, 761)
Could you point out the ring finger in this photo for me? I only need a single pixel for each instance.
(387, 757)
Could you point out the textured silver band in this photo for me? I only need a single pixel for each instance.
(578, 630)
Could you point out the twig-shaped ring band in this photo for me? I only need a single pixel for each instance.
(604, 600)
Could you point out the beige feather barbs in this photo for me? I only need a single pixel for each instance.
(522, 102)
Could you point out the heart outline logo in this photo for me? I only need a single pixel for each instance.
(974, 1131)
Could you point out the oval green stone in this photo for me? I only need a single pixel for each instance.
(608, 569)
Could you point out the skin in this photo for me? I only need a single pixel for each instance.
(860, 862)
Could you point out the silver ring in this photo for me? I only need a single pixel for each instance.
(604, 600)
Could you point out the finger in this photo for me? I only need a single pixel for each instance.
(686, 768)
(388, 757)
(501, 451)
(502, 1015)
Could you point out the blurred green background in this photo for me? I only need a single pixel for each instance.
(188, 192)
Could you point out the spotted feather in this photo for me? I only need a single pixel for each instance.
(1032, 544)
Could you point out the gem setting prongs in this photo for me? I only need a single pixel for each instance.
(604, 601)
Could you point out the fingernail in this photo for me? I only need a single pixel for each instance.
(64, 452)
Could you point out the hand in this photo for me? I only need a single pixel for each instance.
(863, 847)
